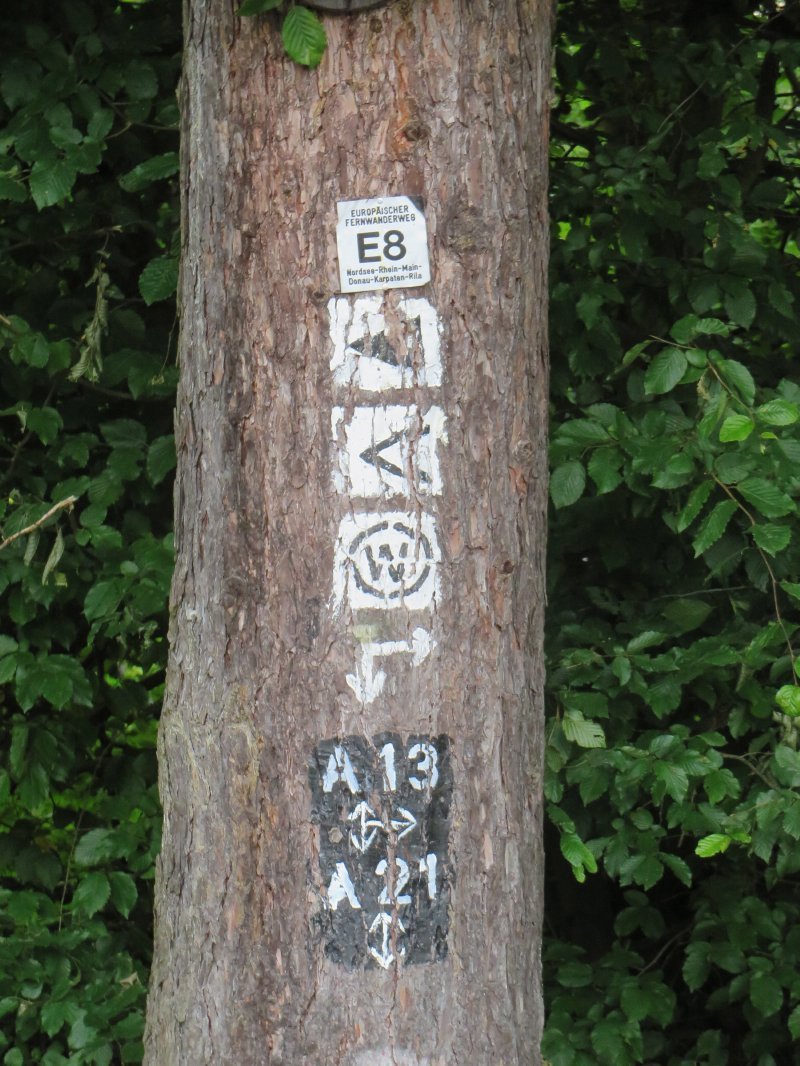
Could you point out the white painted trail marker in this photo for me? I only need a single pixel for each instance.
(381, 933)
(388, 451)
(363, 356)
(367, 682)
(341, 887)
(384, 865)
(366, 825)
(382, 244)
(386, 560)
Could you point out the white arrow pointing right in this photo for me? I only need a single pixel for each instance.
(367, 682)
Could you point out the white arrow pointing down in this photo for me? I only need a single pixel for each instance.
(367, 682)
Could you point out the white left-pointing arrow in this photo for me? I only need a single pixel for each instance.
(367, 682)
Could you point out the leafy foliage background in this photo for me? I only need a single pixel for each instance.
(673, 859)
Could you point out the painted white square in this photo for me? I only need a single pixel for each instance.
(363, 357)
(388, 451)
(387, 561)
(382, 244)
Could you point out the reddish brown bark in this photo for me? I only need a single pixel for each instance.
(445, 101)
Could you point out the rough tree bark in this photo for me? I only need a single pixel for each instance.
(350, 751)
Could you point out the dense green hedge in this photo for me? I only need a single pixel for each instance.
(87, 372)
(673, 857)
(673, 769)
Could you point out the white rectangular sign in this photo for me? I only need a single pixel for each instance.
(382, 244)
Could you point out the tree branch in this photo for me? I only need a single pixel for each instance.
(66, 502)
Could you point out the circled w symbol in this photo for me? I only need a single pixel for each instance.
(387, 561)
(391, 560)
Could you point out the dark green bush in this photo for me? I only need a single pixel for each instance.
(672, 754)
(87, 154)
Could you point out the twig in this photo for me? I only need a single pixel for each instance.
(67, 502)
(773, 580)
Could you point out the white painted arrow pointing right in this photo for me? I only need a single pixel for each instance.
(367, 682)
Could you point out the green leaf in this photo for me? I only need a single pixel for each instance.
(603, 466)
(576, 853)
(161, 458)
(635, 1001)
(81, 1034)
(788, 699)
(92, 894)
(33, 790)
(153, 169)
(719, 784)
(766, 497)
(581, 432)
(694, 505)
(580, 731)
(140, 80)
(678, 867)
(687, 613)
(794, 1023)
(787, 767)
(123, 892)
(256, 7)
(736, 427)
(54, 557)
(103, 599)
(791, 819)
(303, 36)
(95, 846)
(7, 1005)
(781, 299)
(714, 526)
(673, 778)
(17, 750)
(704, 327)
(567, 483)
(31, 546)
(159, 279)
(574, 975)
(697, 966)
(792, 588)
(778, 413)
(648, 638)
(739, 377)
(45, 423)
(32, 349)
(56, 687)
(11, 189)
(608, 1042)
(766, 994)
(771, 538)
(124, 433)
(665, 371)
(55, 1013)
(713, 844)
(740, 305)
(51, 182)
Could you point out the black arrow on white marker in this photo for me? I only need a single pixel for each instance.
(373, 455)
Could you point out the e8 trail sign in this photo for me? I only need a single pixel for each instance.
(383, 244)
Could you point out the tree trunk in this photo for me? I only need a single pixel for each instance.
(350, 751)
